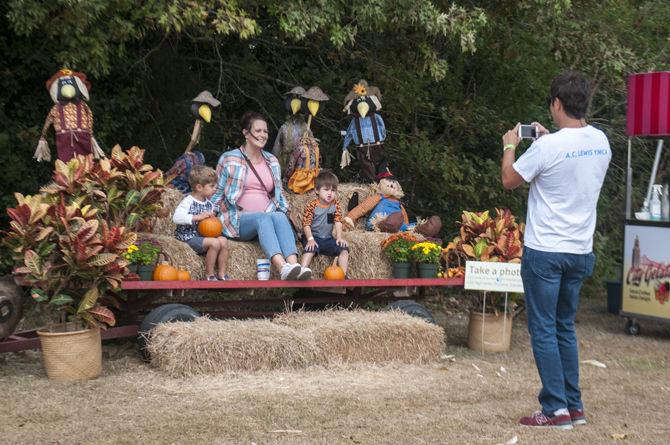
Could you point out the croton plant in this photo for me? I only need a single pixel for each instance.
(485, 238)
(67, 241)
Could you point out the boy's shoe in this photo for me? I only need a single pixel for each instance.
(305, 273)
(223, 278)
(578, 417)
(539, 420)
(290, 271)
(212, 278)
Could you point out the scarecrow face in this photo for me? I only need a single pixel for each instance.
(391, 187)
(202, 111)
(363, 105)
(68, 90)
(294, 104)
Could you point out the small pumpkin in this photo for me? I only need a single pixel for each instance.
(183, 275)
(165, 272)
(333, 272)
(210, 227)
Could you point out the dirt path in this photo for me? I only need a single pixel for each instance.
(466, 400)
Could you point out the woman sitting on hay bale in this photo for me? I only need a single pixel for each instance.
(252, 202)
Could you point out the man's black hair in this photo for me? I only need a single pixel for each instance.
(572, 88)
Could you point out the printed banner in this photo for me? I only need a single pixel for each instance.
(495, 277)
(646, 271)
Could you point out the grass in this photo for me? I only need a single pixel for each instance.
(465, 399)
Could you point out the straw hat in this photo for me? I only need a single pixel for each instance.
(315, 93)
(297, 91)
(205, 97)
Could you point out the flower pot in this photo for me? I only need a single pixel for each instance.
(402, 270)
(146, 273)
(490, 333)
(427, 270)
(70, 354)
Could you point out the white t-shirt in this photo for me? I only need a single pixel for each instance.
(566, 171)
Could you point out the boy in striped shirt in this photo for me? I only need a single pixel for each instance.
(193, 209)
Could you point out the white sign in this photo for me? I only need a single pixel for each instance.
(495, 277)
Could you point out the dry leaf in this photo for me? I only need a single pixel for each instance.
(619, 436)
(595, 363)
(512, 441)
(476, 367)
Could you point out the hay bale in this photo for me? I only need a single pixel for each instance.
(164, 225)
(369, 337)
(293, 340)
(206, 346)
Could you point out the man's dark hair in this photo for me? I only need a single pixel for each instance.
(572, 88)
(326, 179)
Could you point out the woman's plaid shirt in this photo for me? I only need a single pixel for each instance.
(233, 171)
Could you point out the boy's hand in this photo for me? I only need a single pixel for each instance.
(203, 215)
(342, 242)
(311, 246)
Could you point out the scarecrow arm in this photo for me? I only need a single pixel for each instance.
(42, 152)
(363, 208)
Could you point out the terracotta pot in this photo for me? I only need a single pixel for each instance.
(71, 354)
(490, 333)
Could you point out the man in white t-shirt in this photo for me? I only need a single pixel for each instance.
(566, 170)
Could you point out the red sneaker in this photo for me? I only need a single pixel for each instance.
(578, 417)
(539, 420)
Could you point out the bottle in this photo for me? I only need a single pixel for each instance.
(665, 203)
(655, 203)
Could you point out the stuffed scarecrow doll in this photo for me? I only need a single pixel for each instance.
(303, 164)
(201, 108)
(366, 130)
(71, 118)
(385, 212)
(292, 130)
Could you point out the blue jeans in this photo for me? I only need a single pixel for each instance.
(273, 230)
(551, 283)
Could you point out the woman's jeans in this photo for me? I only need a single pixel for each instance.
(551, 283)
(273, 230)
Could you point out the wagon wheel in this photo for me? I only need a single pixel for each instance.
(411, 307)
(11, 306)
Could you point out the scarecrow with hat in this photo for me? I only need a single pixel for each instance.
(291, 131)
(385, 212)
(366, 130)
(201, 108)
(71, 118)
(303, 164)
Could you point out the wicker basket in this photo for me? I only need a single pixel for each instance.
(75, 355)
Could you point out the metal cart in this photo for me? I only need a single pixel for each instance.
(645, 290)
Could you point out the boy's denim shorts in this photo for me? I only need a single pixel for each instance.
(326, 246)
(196, 243)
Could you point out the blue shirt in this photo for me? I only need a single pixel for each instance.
(366, 131)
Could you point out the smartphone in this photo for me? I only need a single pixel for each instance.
(527, 131)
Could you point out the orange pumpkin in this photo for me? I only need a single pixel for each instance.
(210, 227)
(165, 272)
(183, 275)
(333, 272)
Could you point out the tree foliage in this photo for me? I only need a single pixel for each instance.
(454, 76)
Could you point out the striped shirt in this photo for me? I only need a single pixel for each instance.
(233, 171)
(183, 217)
